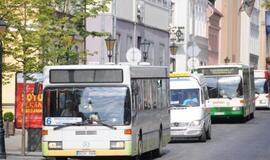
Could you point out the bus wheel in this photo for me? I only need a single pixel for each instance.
(61, 158)
(208, 133)
(203, 136)
(140, 148)
(252, 115)
(157, 152)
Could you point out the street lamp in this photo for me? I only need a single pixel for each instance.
(227, 60)
(3, 27)
(145, 48)
(173, 48)
(110, 45)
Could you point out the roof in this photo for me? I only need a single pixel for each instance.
(187, 81)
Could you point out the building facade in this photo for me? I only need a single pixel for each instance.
(190, 17)
(250, 36)
(229, 40)
(131, 23)
(214, 17)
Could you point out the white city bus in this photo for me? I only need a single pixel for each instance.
(261, 79)
(231, 90)
(105, 110)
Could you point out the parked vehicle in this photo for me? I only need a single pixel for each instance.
(261, 79)
(190, 117)
(105, 110)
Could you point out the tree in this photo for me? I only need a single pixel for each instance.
(266, 4)
(66, 19)
(39, 33)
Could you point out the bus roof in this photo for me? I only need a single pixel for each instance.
(114, 73)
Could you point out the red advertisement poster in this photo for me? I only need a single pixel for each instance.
(33, 116)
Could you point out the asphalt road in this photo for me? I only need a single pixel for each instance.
(230, 141)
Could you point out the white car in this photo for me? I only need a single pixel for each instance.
(190, 117)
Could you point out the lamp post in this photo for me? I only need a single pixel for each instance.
(110, 41)
(173, 48)
(145, 48)
(227, 60)
(3, 27)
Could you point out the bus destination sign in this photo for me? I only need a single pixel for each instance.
(218, 71)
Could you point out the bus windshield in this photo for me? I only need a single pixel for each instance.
(185, 97)
(224, 87)
(110, 105)
(261, 86)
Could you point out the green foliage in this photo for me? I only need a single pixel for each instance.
(8, 116)
(266, 4)
(41, 32)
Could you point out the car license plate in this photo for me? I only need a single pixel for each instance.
(219, 113)
(86, 153)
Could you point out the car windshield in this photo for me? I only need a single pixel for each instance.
(110, 105)
(261, 86)
(224, 87)
(185, 97)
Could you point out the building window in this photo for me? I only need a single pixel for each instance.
(129, 42)
(212, 1)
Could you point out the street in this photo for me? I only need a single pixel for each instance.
(230, 141)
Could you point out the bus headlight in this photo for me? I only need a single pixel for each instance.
(117, 144)
(236, 108)
(55, 145)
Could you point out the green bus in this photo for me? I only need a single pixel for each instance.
(231, 90)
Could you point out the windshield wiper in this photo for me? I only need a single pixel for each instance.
(105, 124)
(69, 124)
(86, 122)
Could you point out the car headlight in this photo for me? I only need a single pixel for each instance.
(195, 123)
(236, 108)
(55, 145)
(117, 144)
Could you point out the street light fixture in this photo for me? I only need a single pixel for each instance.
(173, 48)
(227, 60)
(144, 46)
(110, 41)
(3, 27)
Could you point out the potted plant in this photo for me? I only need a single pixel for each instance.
(9, 124)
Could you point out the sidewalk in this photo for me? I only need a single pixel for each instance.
(13, 148)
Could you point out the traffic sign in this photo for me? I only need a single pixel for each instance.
(192, 63)
(193, 50)
(134, 55)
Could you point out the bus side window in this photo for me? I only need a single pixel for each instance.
(147, 95)
(154, 94)
(159, 93)
(135, 94)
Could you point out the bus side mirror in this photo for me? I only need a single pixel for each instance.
(36, 88)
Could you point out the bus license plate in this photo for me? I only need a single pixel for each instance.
(86, 153)
(219, 113)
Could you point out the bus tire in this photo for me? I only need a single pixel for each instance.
(203, 136)
(252, 115)
(140, 148)
(209, 133)
(157, 152)
(61, 158)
